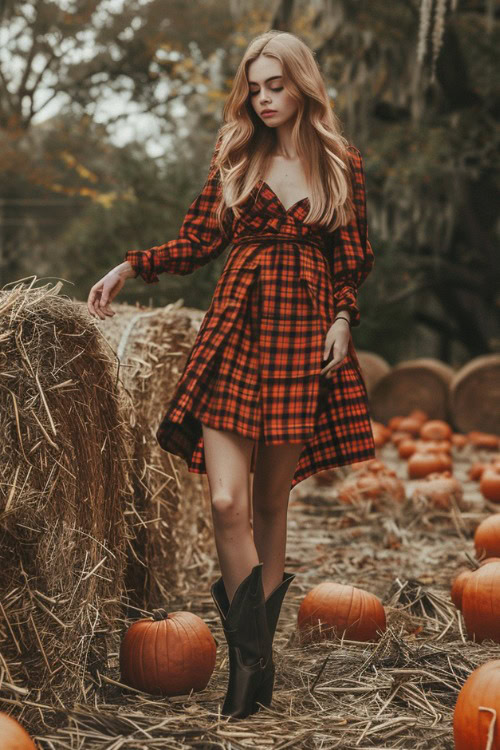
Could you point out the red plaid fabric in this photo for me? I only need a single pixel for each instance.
(254, 367)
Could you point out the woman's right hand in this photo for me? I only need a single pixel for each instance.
(106, 290)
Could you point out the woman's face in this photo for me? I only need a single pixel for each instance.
(267, 92)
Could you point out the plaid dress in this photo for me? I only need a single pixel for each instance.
(254, 367)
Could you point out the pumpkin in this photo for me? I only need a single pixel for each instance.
(458, 440)
(399, 435)
(168, 654)
(406, 447)
(12, 735)
(457, 586)
(411, 425)
(419, 414)
(394, 422)
(435, 429)
(433, 446)
(481, 603)
(484, 440)
(489, 484)
(476, 470)
(331, 609)
(476, 724)
(380, 434)
(421, 464)
(438, 489)
(487, 536)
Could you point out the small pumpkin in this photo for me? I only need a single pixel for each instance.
(476, 470)
(411, 425)
(13, 736)
(481, 603)
(168, 654)
(435, 429)
(419, 414)
(421, 464)
(476, 724)
(399, 435)
(483, 440)
(406, 447)
(331, 609)
(380, 434)
(459, 440)
(489, 484)
(433, 446)
(487, 536)
(457, 586)
(440, 490)
(394, 422)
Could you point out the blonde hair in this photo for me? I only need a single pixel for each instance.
(245, 145)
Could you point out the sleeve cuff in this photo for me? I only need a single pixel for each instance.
(143, 265)
(345, 298)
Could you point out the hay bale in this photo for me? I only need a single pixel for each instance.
(475, 395)
(173, 546)
(62, 501)
(373, 368)
(414, 384)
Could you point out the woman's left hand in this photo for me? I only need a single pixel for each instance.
(337, 339)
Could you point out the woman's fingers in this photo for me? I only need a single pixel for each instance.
(101, 294)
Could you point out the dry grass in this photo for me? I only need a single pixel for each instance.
(397, 693)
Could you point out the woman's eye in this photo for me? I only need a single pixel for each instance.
(252, 93)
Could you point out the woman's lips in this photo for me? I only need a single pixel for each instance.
(270, 113)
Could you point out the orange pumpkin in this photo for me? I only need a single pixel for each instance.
(481, 603)
(380, 434)
(439, 489)
(433, 446)
(394, 422)
(419, 414)
(12, 735)
(476, 470)
(489, 484)
(399, 435)
(421, 464)
(168, 654)
(477, 710)
(457, 587)
(406, 447)
(435, 429)
(484, 440)
(459, 440)
(487, 536)
(411, 425)
(331, 609)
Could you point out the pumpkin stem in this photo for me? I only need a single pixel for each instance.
(160, 614)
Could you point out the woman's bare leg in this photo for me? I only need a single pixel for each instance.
(274, 470)
(227, 459)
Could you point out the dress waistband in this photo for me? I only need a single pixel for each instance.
(249, 238)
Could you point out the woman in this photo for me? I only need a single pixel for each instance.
(286, 189)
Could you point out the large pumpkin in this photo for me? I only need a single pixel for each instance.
(481, 603)
(489, 484)
(334, 609)
(487, 536)
(12, 735)
(477, 710)
(168, 654)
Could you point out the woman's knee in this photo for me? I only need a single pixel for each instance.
(229, 510)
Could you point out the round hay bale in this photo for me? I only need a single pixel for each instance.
(373, 368)
(475, 395)
(62, 500)
(418, 383)
(172, 545)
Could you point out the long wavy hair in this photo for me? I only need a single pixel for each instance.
(245, 144)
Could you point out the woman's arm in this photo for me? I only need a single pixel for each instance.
(351, 254)
(199, 241)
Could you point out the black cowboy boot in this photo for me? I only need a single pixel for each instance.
(273, 608)
(245, 628)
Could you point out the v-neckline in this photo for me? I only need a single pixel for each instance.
(286, 210)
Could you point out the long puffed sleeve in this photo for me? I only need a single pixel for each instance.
(350, 253)
(199, 241)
